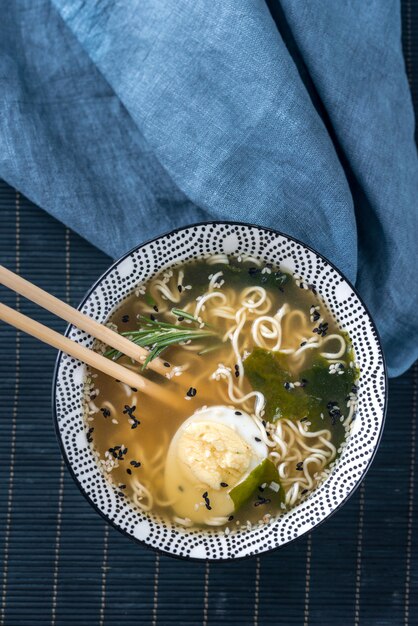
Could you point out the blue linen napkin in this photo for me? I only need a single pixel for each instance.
(125, 120)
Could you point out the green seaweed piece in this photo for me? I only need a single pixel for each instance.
(247, 275)
(265, 472)
(149, 299)
(329, 389)
(267, 372)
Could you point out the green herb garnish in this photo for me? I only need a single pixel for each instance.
(157, 336)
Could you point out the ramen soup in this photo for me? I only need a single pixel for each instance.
(256, 405)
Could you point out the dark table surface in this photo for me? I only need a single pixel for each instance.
(61, 564)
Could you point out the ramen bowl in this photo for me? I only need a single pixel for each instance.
(339, 296)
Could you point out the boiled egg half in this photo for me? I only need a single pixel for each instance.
(212, 452)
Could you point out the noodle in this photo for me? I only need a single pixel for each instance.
(209, 296)
(260, 331)
(139, 493)
(339, 353)
(224, 372)
(214, 259)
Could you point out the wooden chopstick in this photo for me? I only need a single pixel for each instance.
(73, 316)
(76, 350)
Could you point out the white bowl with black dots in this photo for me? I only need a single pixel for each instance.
(340, 297)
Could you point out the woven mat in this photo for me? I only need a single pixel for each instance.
(61, 564)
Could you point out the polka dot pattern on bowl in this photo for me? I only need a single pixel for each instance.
(183, 245)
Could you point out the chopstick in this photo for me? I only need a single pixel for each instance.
(84, 322)
(76, 350)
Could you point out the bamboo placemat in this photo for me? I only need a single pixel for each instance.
(61, 564)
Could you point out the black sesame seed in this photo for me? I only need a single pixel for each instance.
(299, 466)
(136, 463)
(155, 307)
(238, 413)
(303, 344)
(192, 392)
(334, 412)
(224, 484)
(181, 318)
(230, 518)
(262, 500)
(152, 317)
(286, 386)
(166, 364)
(209, 508)
(180, 288)
(304, 491)
(122, 486)
(257, 438)
(125, 318)
(322, 328)
(180, 488)
(134, 389)
(129, 471)
(303, 419)
(89, 437)
(105, 411)
(129, 410)
(253, 270)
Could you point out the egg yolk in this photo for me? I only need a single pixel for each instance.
(213, 453)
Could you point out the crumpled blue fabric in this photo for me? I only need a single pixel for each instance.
(124, 120)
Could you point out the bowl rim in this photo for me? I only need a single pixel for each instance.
(141, 542)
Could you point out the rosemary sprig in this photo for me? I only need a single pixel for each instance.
(187, 316)
(157, 336)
